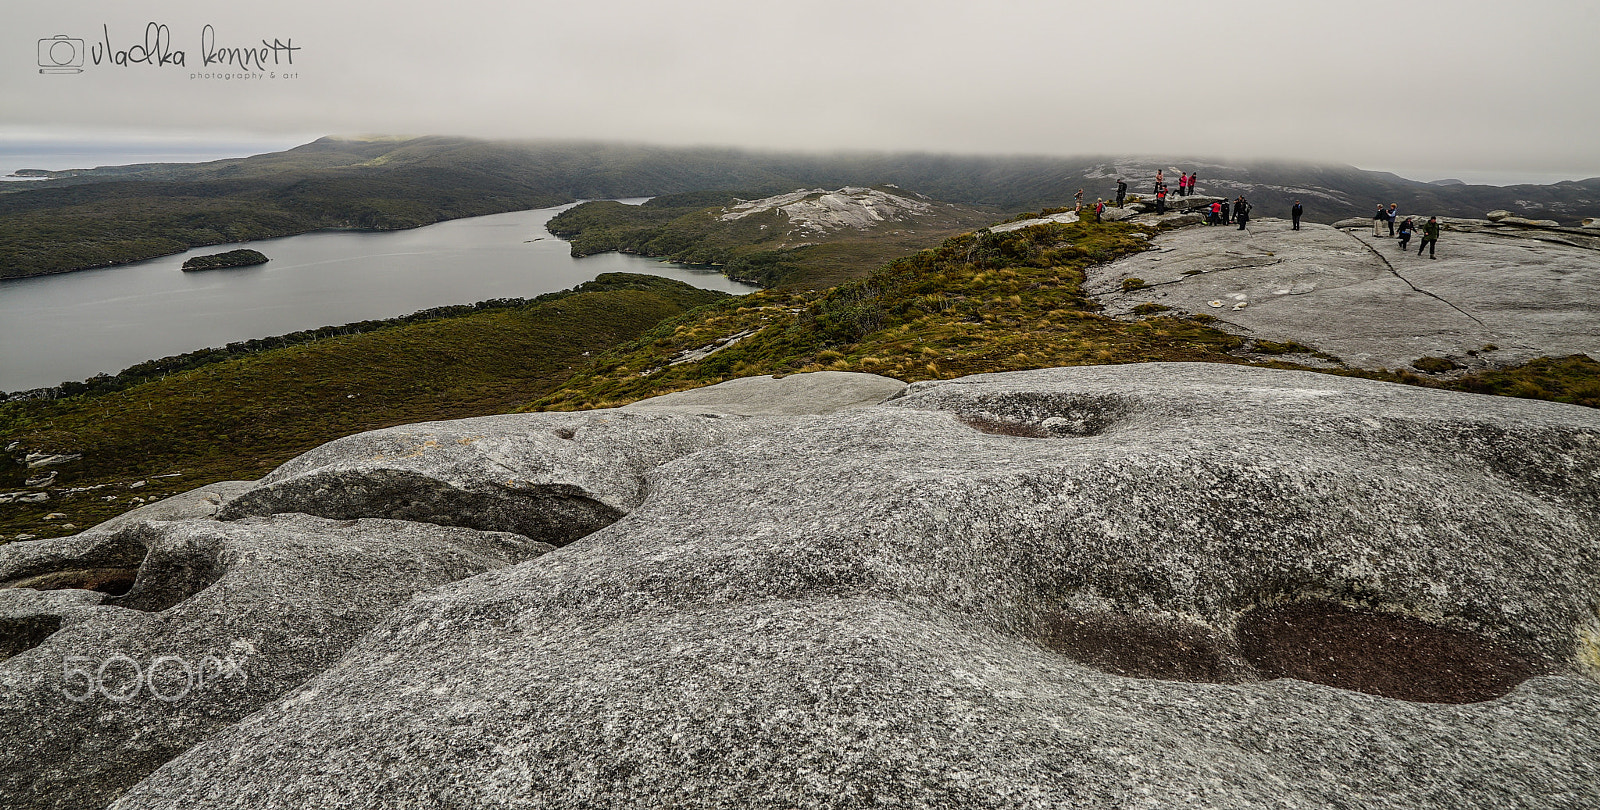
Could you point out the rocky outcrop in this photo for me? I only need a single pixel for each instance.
(1163, 585)
(818, 211)
(125, 646)
(1527, 293)
(552, 477)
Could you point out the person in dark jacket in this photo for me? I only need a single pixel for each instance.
(1378, 219)
(1406, 229)
(1122, 191)
(1430, 237)
(1295, 212)
(1241, 212)
(1161, 198)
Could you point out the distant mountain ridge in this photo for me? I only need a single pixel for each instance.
(114, 215)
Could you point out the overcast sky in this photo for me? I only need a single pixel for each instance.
(1490, 91)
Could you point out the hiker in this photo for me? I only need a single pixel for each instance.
(1378, 219)
(1241, 211)
(1216, 214)
(1227, 212)
(1099, 208)
(1394, 214)
(1122, 191)
(1405, 232)
(1430, 237)
(1294, 213)
(1078, 207)
(1193, 178)
(1161, 199)
(1160, 181)
(1183, 183)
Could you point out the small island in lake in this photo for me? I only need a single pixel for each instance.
(233, 258)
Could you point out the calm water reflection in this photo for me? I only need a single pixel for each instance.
(75, 325)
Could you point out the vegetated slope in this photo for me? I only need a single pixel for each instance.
(981, 302)
(240, 417)
(808, 238)
(114, 215)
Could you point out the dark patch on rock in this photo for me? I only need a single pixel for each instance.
(114, 581)
(1145, 647)
(1037, 416)
(555, 514)
(1385, 654)
(22, 633)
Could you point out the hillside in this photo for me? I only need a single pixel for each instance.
(812, 237)
(112, 215)
(169, 426)
(984, 302)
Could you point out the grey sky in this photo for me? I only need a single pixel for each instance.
(1428, 88)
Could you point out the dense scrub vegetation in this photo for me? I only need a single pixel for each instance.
(237, 414)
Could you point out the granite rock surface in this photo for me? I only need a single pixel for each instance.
(126, 646)
(551, 477)
(1362, 299)
(1139, 586)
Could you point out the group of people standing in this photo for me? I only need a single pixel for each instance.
(1221, 213)
(1388, 216)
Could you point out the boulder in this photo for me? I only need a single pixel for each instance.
(1529, 223)
(1591, 222)
(1496, 216)
(1118, 214)
(128, 646)
(554, 477)
(1161, 585)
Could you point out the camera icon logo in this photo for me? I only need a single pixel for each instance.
(61, 54)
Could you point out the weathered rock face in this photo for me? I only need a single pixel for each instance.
(1164, 585)
(794, 395)
(1369, 303)
(552, 477)
(129, 645)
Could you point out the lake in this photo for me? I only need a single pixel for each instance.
(72, 326)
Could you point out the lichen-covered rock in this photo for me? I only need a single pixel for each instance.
(1141, 586)
(554, 477)
(124, 647)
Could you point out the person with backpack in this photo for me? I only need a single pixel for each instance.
(1099, 208)
(1241, 211)
(1161, 198)
(1294, 214)
(1430, 237)
(1122, 191)
(1405, 232)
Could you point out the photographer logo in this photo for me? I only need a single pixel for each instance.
(61, 54)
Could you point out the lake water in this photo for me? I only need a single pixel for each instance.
(73, 326)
